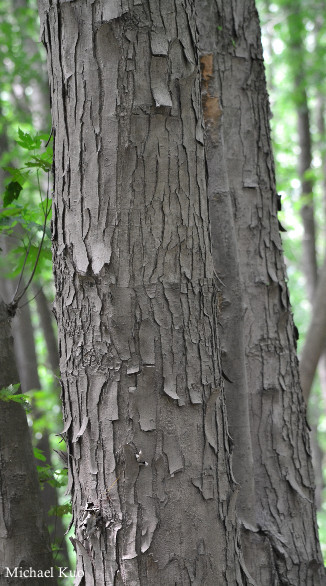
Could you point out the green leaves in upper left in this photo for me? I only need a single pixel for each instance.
(38, 161)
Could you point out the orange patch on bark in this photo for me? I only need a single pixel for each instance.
(211, 104)
(206, 65)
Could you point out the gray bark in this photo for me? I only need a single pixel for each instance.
(23, 536)
(136, 298)
(284, 549)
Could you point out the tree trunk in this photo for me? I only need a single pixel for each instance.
(284, 549)
(136, 298)
(321, 145)
(23, 536)
(47, 325)
(26, 361)
(314, 344)
(307, 209)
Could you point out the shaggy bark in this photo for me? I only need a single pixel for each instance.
(136, 297)
(24, 541)
(286, 536)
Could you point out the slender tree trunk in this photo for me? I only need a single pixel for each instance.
(322, 135)
(24, 539)
(50, 497)
(297, 34)
(47, 325)
(315, 339)
(136, 298)
(307, 209)
(27, 365)
(23, 536)
(309, 257)
(284, 549)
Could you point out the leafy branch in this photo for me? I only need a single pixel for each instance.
(14, 213)
(10, 394)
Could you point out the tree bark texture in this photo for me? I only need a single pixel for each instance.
(136, 303)
(284, 548)
(24, 541)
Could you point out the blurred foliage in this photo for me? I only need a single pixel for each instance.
(25, 183)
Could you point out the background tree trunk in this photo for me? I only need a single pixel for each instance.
(27, 365)
(315, 339)
(47, 325)
(284, 548)
(24, 541)
(136, 298)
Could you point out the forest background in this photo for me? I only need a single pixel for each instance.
(294, 40)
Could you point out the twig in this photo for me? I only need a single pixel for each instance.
(22, 272)
(47, 142)
(30, 300)
(14, 303)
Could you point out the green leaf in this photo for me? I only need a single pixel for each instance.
(20, 175)
(61, 510)
(6, 221)
(53, 477)
(10, 394)
(28, 141)
(12, 192)
(38, 454)
(11, 389)
(39, 163)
